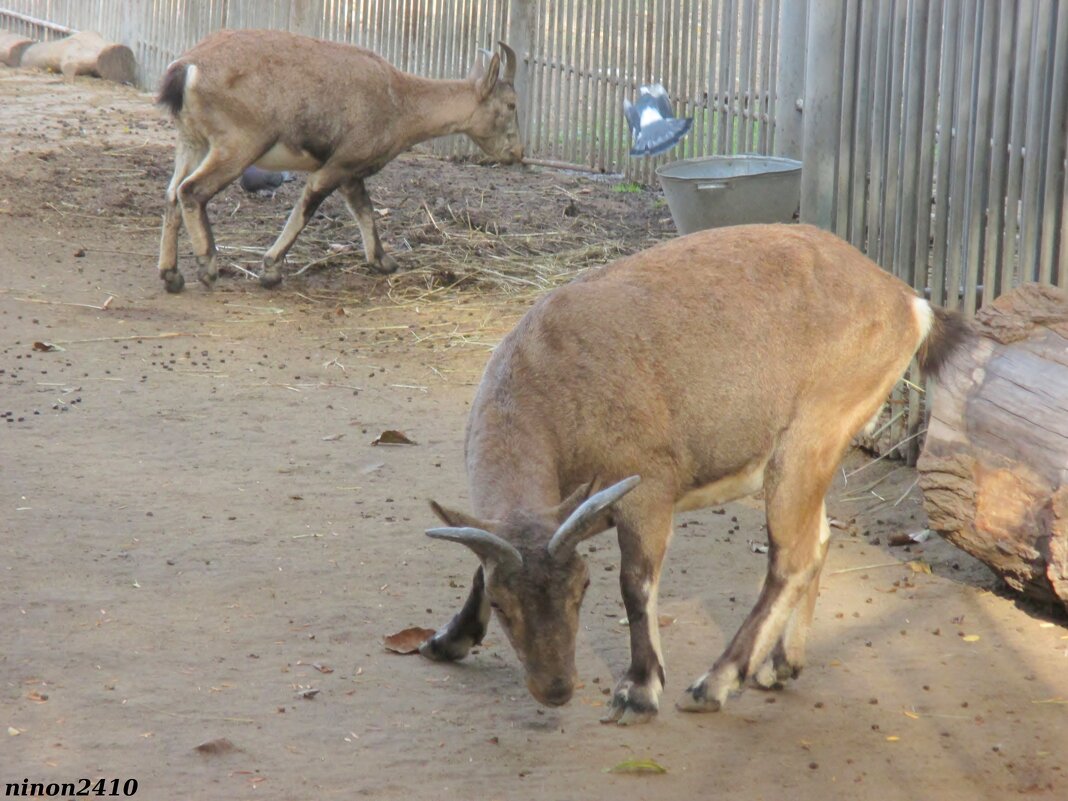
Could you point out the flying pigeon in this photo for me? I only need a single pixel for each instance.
(253, 179)
(654, 126)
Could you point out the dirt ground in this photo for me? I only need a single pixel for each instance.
(198, 529)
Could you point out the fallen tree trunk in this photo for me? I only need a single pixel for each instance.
(84, 53)
(994, 468)
(12, 46)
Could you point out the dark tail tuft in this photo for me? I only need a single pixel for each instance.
(172, 88)
(948, 332)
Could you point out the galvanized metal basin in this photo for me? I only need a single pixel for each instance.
(714, 191)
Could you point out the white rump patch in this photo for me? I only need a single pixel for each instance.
(924, 317)
(191, 73)
(649, 116)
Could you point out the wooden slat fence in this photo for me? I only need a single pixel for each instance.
(579, 58)
(949, 148)
(933, 132)
(944, 155)
(935, 138)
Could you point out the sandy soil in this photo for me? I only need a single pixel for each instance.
(198, 529)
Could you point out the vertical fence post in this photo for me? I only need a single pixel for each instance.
(305, 16)
(790, 81)
(822, 110)
(520, 37)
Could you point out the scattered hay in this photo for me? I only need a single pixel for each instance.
(513, 243)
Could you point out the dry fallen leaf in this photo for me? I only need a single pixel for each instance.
(918, 566)
(40, 698)
(392, 437)
(665, 621)
(309, 693)
(220, 745)
(970, 638)
(893, 738)
(13, 731)
(638, 766)
(46, 347)
(408, 640)
(322, 668)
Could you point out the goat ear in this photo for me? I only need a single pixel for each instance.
(489, 547)
(486, 80)
(581, 523)
(572, 501)
(456, 519)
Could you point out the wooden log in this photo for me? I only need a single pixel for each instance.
(12, 46)
(84, 53)
(994, 468)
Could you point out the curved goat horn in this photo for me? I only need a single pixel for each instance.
(577, 526)
(510, 62)
(487, 546)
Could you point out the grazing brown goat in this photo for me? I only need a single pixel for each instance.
(691, 374)
(286, 102)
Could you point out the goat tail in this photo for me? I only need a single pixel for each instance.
(172, 87)
(948, 331)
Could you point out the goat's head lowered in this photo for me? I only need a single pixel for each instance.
(495, 123)
(535, 579)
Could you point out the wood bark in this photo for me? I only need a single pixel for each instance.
(994, 468)
(84, 53)
(12, 46)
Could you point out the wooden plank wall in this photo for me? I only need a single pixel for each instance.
(951, 167)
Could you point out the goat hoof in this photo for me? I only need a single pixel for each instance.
(632, 704)
(385, 266)
(173, 280)
(206, 278)
(768, 678)
(697, 699)
(270, 280)
(441, 649)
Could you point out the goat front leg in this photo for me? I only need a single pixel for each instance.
(636, 698)
(317, 188)
(359, 203)
(466, 629)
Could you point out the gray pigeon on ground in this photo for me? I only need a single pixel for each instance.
(253, 179)
(653, 124)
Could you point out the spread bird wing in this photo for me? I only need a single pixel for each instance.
(660, 136)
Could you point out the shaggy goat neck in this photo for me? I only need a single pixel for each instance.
(430, 108)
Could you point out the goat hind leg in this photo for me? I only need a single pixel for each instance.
(794, 511)
(359, 203)
(466, 629)
(187, 156)
(219, 168)
(788, 657)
